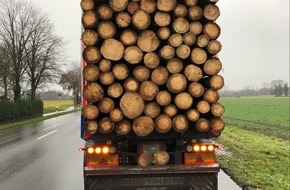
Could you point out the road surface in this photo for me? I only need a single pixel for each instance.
(45, 156)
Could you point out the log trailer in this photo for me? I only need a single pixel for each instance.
(150, 132)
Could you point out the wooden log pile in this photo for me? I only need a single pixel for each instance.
(151, 66)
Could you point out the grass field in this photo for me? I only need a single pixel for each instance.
(257, 135)
(49, 106)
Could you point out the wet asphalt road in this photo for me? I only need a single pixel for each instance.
(45, 156)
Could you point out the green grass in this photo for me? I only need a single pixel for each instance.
(257, 135)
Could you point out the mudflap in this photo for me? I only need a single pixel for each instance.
(194, 181)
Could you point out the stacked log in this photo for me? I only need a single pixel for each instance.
(151, 65)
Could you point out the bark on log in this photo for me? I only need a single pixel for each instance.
(144, 159)
(166, 5)
(133, 7)
(131, 85)
(115, 90)
(175, 40)
(180, 10)
(195, 27)
(162, 18)
(91, 127)
(211, 96)
(91, 54)
(190, 3)
(217, 125)
(176, 83)
(93, 92)
(116, 115)
(189, 38)
(120, 71)
(183, 51)
(148, 5)
(106, 29)
(160, 75)
(123, 19)
(91, 72)
(192, 115)
(151, 60)
(90, 37)
(211, 12)
(214, 47)
(167, 52)
(193, 73)
(118, 5)
(133, 54)
(198, 56)
(212, 30)
(163, 33)
(90, 112)
(163, 123)
(104, 12)
(106, 125)
(141, 73)
(202, 41)
(132, 105)
(183, 101)
(163, 98)
(195, 13)
(123, 128)
(202, 125)
(174, 65)
(152, 109)
(143, 126)
(180, 123)
(141, 19)
(148, 41)
(170, 110)
(148, 90)
(217, 109)
(106, 105)
(212, 66)
(89, 19)
(203, 107)
(105, 65)
(180, 25)
(106, 78)
(87, 5)
(160, 158)
(128, 37)
(196, 89)
(112, 49)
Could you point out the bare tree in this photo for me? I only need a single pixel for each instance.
(4, 71)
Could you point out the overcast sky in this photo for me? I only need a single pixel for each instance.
(255, 37)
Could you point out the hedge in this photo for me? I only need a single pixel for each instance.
(19, 110)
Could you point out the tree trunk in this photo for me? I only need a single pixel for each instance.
(212, 66)
(119, 5)
(133, 7)
(160, 75)
(106, 125)
(152, 110)
(133, 54)
(162, 18)
(143, 126)
(93, 92)
(123, 19)
(128, 37)
(211, 12)
(90, 37)
(211, 96)
(107, 78)
(192, 115)
(212, 30)
(195, 27)
(195, 13)
(148, 41)
(90, 112)
(214, 47)
(198, 56)
(148, 5)
(105, 65)
(151, 60)
(116, 115)
(87, 5)
(196, 89)
(163, 123)
(190, 3)
(148, 90)
(180, 25)
(215, 82)
(189, 38)
(106, 105)
(131, 85)
(167, 52)
(175, 40)
(89, 19)
(106, 29)
(183, 101)
(163, 98)
(174, 65)
(203, 107)
(115, 90)
(170, 110)
(120, 71)
(123, 128)
(202, 41)
(176, 83)
(104, 12)
(193, 73)
(183, 51)
(217, 109)
(91, 127)
(160, 158)
(144, 159)
(217, 125)
(141, 73)
(141, 19)
(202, 125)
(112, 49)
(92, 55)
(132, 105)
(166, 5)
(163, 33)
(91, 73)
(180, 10)
(180, 123)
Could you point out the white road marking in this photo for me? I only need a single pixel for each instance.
(46, 135)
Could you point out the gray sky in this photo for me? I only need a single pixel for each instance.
(255, 37)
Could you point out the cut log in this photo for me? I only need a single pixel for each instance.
(151, 60)
(145, 159)
(176, 83)
(128, 37)
(90, 37)
(105, 65)
(106, 29)
(91, 72)
(162, 18)
(123, 128)
(174, 65)
(170, 110)
(104, 12)
(212, 66)
(143, 126)
(116, 115)
(202, 125)
(190, 3)
(106, 125)
(112, 49)
(120, 71)
(148, 5)
(163, 98)
(141, 19)
(212, 30)
(118, 5)
(192, 115)
(133, 54)
(163, 123)
(198, 56)
(87, 5)
(141, 73)
(193, 73)
(211, 12)
(115, 90)
(106, 105)
(166, 5)
(183, 101)
(211, 96)
(180, 25)
(160, 75)
(163, 33)
(107, 78)
(148, 90)
(180, 123)
(180, 10)
(89, 19)
(133, 7)
(90, 112)
(93, 92)
(160, 158)
(167, 52)
(132, 105)
(214, 47)
(196, 90)
(195, 27)
(152, 109)
(217, 125)
(189, 38)
(175, 40)
(131, 85)
(183, 51)
(195, 13)
(203, 107)
(202, 41)
(217, 109)
(91, 54)
(91, 127)
(123, 19)
(215, 82)
(148, 41)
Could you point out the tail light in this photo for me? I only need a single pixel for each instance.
(102, 156)
(200, 154)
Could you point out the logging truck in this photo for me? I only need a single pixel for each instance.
(150, 100)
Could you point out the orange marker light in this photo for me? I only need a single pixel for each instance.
(91, 150)
(98, 150)
(196, 148)
(106, 150)
(210, 148)
(203, 148)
